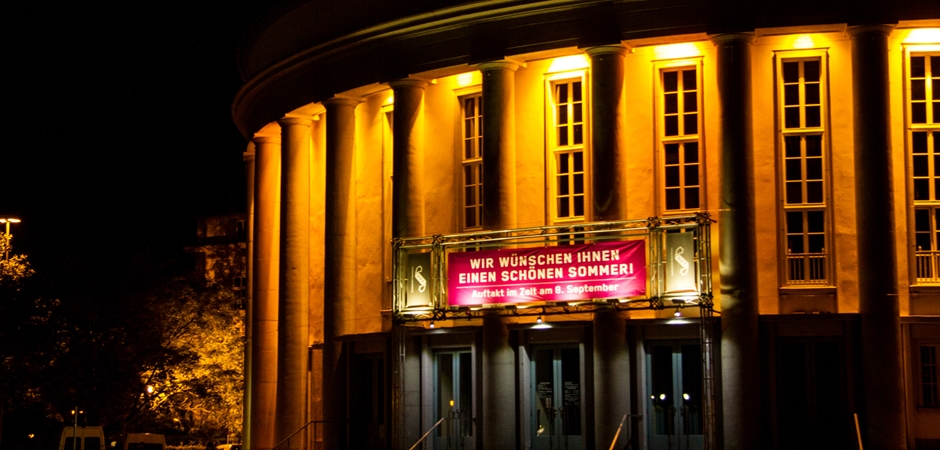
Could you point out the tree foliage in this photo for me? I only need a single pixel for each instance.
(100, 344)
(13, 268)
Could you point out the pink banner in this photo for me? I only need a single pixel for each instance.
(561, 273)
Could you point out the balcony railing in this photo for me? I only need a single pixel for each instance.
(928, 266)
(807, 269)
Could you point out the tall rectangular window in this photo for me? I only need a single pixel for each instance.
(679, 119)
(567, 141)
(804, 172)
(929, 381)
(472, 160)
(923, 102)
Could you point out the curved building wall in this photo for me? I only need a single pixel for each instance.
(826, 293)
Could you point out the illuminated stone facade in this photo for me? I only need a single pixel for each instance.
(810, 134)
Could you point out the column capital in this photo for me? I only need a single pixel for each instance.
(856, 30)
(266, 138)
(408, 82)
(606, 50)
(291, 120)
(724, 38)
(503, 64)
(342, 101)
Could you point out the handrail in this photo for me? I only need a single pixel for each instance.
(617, 434)
(288, 438)
(426, 434)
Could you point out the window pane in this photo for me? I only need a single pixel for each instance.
(563, 163)
(812, 93)
(561, 93)
(579, 206)
(578, 135)
(579, 183)
(813, 116)
(791, 72)
(672, 125)
(691, 152)
(919, 141)
(690, 102)
(918, 66)
(811, 70)
(795, 244)
(918, 90)
(672, 176)
(794, 169)
(794, 222)
(814, 192)
(922, 220)
(792, 144)
(691, 175)
(922, 189)
(791, 95)
(791, 117)
(814, 168)
(688, 80)
(817, 243)
(691, 198)
(921, 166)
(691, 123)
(576, 91)
(672, 154)
(563, 209)
(470, 217)
(815, 221)
(670, 81)
(671, 103)
(919, 112)
(563, 185)
(562, 114)
(794, 193)
(672, 199)
(936, 107)
(935, 66)
(563, 136)
(469, 196)
(578, 161)
(814, 145)
(578, 116)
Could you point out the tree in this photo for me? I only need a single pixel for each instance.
(13, 268)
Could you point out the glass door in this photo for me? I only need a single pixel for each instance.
(453, 394)
(557, 398)
(674, 386)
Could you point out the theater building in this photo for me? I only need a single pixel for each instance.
(592, 224)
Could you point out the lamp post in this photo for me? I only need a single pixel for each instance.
(8, 221)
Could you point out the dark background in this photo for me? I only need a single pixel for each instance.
(117, 130)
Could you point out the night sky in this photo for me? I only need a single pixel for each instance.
(117, 127)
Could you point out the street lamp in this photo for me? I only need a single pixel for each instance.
(8, 221)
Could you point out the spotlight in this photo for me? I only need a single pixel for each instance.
(432, 324)
(539, 320)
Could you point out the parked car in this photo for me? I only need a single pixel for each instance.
(82, 438)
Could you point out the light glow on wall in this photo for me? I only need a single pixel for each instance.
(567, 63)
(674, 51)
(923, 36)
(468, 79)
(804, 41)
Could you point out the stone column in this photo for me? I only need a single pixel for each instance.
(740, 369)
(882, 419)
(499, 385)
(611, 377)
(249, 158)
(293, 311)
(340, 265)
(407, 159)
(608, 161)
(499, 145)
(262, 378)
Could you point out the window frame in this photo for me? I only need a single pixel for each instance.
(924, 264)
(661, 140)
(461, 97)
(554, 149)
(802, 269)
(919, 374)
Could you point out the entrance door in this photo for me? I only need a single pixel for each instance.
(811, 395)
(367, 402)
(674, 386)
(557, 398)
(453, 394)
